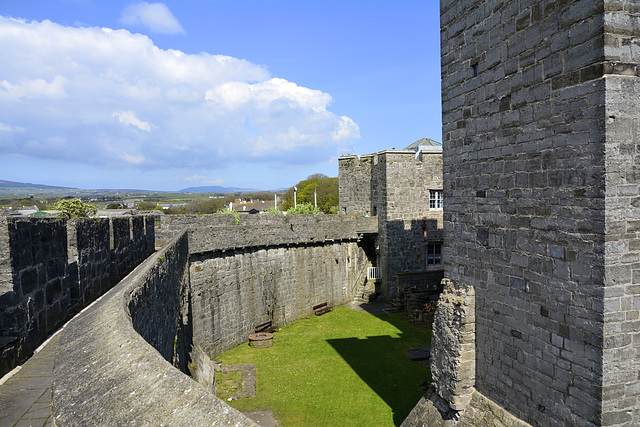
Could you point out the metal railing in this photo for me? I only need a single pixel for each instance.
(374, 273)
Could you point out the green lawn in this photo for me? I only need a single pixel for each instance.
(344, 368)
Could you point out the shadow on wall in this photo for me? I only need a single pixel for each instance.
(404, 250)
(382, 362)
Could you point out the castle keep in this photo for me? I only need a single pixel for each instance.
(402, 191)
(540, 127)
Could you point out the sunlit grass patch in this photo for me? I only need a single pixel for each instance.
(342, 368)
(228, 384)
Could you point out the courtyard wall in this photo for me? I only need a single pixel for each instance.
(120, 360)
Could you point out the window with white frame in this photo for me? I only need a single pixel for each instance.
(435, 199)
(434, 253)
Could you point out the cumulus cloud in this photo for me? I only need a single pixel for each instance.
(347, 130)
(112, 98)
(36, 88)
(129, 118)
(155, 16)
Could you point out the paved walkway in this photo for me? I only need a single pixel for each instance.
(25, 394)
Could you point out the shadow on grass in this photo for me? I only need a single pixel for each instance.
(382, 362)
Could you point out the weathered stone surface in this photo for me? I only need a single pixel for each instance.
(51, 268)
(432, 411)
(453, 345)
(220, 232)
(107, 374)
(202, 368)
(540, 140)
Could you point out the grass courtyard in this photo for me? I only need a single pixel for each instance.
(344, 368)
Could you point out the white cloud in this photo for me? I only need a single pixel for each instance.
(132, 158)
(347, 130)
(33, 89)
(129, 118)
(7, 128)
(63, 86)
(155, 16)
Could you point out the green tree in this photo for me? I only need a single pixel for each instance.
(273, 210)
(205, 206)
(74, 208)
(324, 188)
(147, 206)
(114, 206)
(304, 208)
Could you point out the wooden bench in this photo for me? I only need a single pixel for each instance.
(265, 327)
(321, 308)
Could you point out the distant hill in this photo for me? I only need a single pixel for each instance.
(215, 189)
(13, 184)
(24, 188)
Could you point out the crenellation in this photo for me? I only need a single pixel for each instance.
(54, 268)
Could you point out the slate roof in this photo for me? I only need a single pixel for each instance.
(425, 144)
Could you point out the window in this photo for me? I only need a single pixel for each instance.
(434, 251)
(435, 199)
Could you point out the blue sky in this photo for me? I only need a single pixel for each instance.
(243, 93)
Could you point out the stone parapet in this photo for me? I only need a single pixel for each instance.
(106, 373)
(50, 268)
(218, 232)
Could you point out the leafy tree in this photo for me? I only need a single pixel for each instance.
(325, 189)
(273, 210)
(74, 208)
(205, 206)
(114, 206)
(304, 208)
(233, 212)
(147, 206)
(175, 210)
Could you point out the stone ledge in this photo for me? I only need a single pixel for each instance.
(105, 373)
(433, 411)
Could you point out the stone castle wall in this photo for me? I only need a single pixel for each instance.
(539, 127)
(266, 268)
(160, 306)
(394, 186)
(51, 268)
(116, 361)
(355, 184)
(234, 291)
(220, 232)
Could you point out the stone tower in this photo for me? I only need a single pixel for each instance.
(541, 124)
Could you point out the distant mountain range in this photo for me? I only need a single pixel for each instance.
(215, 189)
(22, 188)
(26, 185)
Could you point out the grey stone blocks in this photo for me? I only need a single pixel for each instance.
(549, 137)
(51, 268)
(394, 186)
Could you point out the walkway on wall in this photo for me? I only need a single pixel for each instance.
(25, 392)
